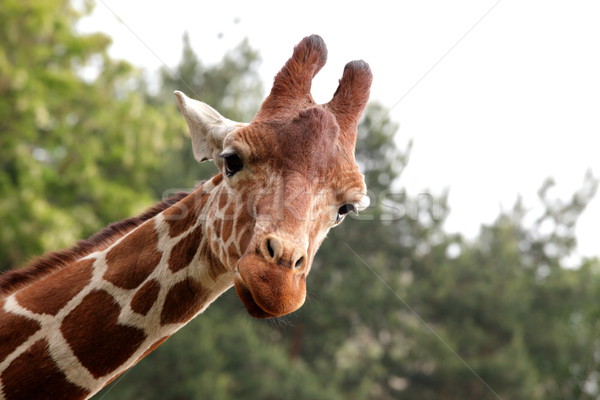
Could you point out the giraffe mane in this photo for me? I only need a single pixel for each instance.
(42, 266)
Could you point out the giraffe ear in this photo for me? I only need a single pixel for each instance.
(207, 127)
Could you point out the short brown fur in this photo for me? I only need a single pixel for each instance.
(115, 343)
(41, 381)
(50, 295)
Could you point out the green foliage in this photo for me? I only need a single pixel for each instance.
(75, 153)
(397, 307)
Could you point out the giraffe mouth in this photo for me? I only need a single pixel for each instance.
(268, 290)
(251, 306)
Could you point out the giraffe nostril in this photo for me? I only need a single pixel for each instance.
(299, 262)
(270, 249)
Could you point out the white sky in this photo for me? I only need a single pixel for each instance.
(514, 101)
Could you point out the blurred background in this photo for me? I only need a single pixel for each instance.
(473, 275)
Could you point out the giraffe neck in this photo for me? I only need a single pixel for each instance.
(70, 333)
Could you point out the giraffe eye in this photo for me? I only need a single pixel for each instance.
(233, 164)
(343, 210)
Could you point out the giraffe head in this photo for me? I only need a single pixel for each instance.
(290, 173)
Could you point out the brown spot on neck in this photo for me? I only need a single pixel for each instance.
(34, 375)
(9, 325)
(184, 251)
(97, 339)
(132, 260)
(53, 292)
(145, 297)
(183, 302)
(184, 215)
(215, 266)
(217, 179)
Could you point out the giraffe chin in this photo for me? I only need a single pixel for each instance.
(268, 290)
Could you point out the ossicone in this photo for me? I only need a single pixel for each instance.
(291, 87)
(351, 96)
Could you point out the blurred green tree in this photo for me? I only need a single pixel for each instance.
(78, 143)
(510, 320)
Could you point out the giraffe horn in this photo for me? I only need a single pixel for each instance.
(351, 96)
(291, 87)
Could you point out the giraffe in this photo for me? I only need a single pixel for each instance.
(74, 320)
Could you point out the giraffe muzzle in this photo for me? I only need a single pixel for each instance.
(268, 289)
